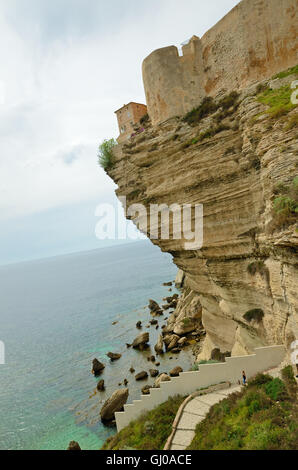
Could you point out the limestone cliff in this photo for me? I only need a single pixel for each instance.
(233, 159)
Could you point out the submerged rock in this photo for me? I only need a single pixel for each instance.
(113, 404)
(114, 356)
(73, 445)
(97, 367)
(139, 325)
(101, 386)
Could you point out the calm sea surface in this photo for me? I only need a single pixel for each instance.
(56, 315)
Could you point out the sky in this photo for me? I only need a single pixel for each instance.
(67, 65)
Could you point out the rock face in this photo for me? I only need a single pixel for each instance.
(234, 170)
(97, 367)
(141, 341)
(73, 445)
(113, 404)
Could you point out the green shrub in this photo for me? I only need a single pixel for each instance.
(105, 154)
(260, 379)
(150, 431)
(229, 101)
(285, 205)
(144, 119)
(256, 314)
(249, 420)
(276, 390)
(288, 375)
(207, 107)
(258, 267)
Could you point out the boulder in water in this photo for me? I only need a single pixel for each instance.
(113, 404)
(97, 367)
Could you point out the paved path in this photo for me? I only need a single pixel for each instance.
(195, 412)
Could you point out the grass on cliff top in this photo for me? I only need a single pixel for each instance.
(150, 431)
(287, 73)
(278, 101)
(261, 417)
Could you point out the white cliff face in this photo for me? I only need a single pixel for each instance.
(242, 285)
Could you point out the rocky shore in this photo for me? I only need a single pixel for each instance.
(179, 321)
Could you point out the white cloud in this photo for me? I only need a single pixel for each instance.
(65, 73)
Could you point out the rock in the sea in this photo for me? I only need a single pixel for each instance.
(153, 372)
(146, 390)
(176, 371)
(114, 323)
(161, 378)
(152, 358)
(125, 382)
(128, 345)
(97, 367)
(154, 308)
(139, 325)
(159, 345)
(157, 364)
(73, 445)
(114, 356)
(141, 341)
(141, 375)
(131, 370)
(113, 404)
(167, 284)
(153, 322)
(171, 341)
(101, 386)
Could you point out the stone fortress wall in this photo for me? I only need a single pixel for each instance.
(255, 40)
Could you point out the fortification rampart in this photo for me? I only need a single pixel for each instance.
(255, 40)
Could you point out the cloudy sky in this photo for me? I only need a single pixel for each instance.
(67, 65)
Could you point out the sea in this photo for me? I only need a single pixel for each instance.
(56, 316)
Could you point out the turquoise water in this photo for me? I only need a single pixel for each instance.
(56, 315)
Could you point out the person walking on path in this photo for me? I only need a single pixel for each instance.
(244, 377)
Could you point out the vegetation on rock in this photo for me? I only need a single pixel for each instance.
(261, 417)
(278, 101)
(256, 314)
(285, 206)
(105, 154)
(150, 431)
